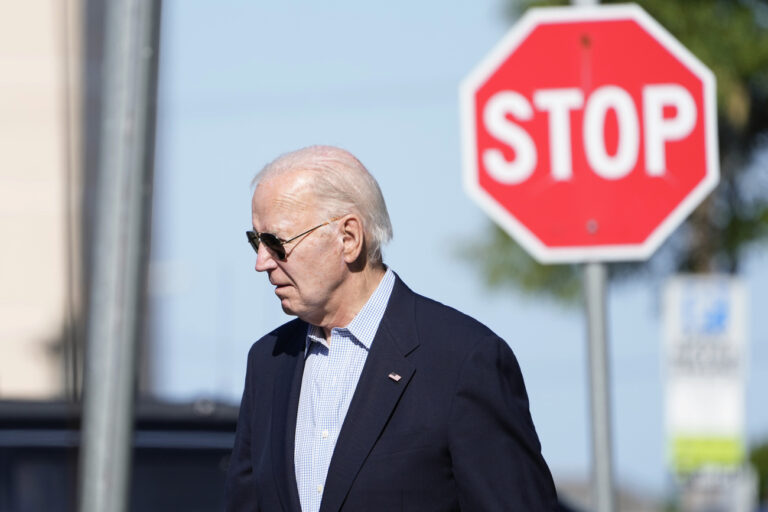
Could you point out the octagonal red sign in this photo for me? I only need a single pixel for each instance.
(589, 133)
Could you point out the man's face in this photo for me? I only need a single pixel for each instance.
(314, 269)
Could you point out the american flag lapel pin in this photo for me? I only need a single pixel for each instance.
(394, 376)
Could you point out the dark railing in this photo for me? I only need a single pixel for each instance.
(180, 456)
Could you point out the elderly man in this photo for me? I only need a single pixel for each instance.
(374, 398)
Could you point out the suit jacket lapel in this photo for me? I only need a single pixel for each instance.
(285, 405)
(375, 397)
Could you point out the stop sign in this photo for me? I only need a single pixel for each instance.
(589, 133)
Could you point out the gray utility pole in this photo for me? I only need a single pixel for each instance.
(119, 253)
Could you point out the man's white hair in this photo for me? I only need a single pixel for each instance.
(342, 185)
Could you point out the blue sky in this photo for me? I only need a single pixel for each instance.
(242, 82)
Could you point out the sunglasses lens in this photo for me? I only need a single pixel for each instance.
(270, 240)
(253, 240)
(274, 244)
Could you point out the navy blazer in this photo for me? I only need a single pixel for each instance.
(454, 433)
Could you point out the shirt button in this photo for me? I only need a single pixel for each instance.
(324, 434)
(319, 488)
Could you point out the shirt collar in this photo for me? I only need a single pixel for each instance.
(366, 322)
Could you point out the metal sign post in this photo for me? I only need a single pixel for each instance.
(599, 380)
(599, 385)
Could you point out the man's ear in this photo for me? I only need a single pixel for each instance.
(353, 238)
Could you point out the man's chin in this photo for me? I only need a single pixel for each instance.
(285, 301)
(285, 304)
(290, 309)
(286, 308)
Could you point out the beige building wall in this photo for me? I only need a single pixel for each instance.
(38, 77)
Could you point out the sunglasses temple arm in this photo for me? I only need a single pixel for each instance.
(304, 233)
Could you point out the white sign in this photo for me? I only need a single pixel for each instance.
(705, 355)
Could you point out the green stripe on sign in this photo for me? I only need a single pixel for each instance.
(691, 453)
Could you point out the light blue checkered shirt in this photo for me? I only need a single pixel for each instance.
(331, 372)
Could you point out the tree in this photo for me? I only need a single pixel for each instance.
(731, 37)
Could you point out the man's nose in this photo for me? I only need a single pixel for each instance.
(265, 260)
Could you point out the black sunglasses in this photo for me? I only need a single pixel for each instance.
(276, 244)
